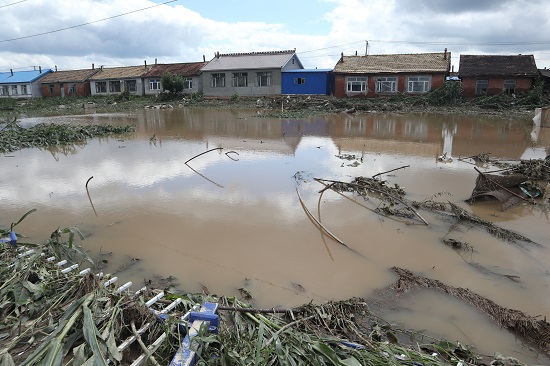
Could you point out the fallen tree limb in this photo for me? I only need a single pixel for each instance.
(534, 330)
(389, 171)
(202, 153)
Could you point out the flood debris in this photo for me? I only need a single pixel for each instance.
(391, 199)
(59, 316)
(14, 137)
(536, 331)
(509, 189)
(453, 210)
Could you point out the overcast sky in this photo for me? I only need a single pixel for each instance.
(73, 34)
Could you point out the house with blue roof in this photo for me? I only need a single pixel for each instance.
(22, 84)
(307, 81)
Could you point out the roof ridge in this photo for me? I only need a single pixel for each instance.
(258, 53)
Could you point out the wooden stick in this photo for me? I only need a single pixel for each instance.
(285, 327)
(331, 235)
(389, 171)
(89, 197)
(256, 310)
(202, 153)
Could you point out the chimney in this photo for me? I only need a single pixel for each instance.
(40, 69)
(355, 53)
(93, 67)
(218, 54)
(155, 60)
(55, 68)
(11, 70)
(145, 63)
(445, 54)
(342, 57)
(453, 68)
(101, 67)
(203, 58)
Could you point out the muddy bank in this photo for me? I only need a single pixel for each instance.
(443, 100)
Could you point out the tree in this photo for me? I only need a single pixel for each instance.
(172, 83)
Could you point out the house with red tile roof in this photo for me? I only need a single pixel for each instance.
(190, 71)
(66, 83)
(492, 74)
(373, 76)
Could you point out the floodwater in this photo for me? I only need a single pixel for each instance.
(232, 218)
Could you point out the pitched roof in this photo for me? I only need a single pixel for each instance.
(183, 69)
(251, 60)
(497, 65)
(120, 72)
(69, 76)
(395, 63)
(22, 76)
(545, 72)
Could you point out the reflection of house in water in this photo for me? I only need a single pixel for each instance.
(411, 134)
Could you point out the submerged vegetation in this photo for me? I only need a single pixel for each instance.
(14, 137)
(52, 314)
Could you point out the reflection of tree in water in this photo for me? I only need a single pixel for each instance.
(66, 149)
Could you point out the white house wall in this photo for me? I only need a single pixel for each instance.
(139, 86)
(250, 90)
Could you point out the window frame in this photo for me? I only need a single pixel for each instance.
(507, 88)
(100, 87)
(353, 81)
(425, 81)
(188, 83)
(482, 86)
(382, 80)
(239, 79)
(5, 90)
(299, 81)
(114, 86)
(130, 86)
(51, 89)
(217, 80)
(72, 89)
(24, 89)
(264, 78)
(154, 84)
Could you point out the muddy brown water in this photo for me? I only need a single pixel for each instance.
(237, 223)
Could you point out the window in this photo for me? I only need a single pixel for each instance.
(356, 84)
(52, 88)
(131, 86)
(72, 89)
(154, 84)
(419, 84)
(386, 84)
(101, 87)
(481, 87)
(240, 79)
(263, 78)
(510, 86)
(24, 89)
(5, 90)
(188, 83)
(299, 80)
(114, 86)
(14, 90)
(217, 80)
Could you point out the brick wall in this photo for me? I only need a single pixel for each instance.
(340, 85)
(82, 89)
(523, 85)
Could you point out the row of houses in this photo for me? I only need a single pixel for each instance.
(282, 72)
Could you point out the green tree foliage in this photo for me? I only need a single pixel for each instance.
(172, 83)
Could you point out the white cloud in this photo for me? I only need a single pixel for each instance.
(176, 33)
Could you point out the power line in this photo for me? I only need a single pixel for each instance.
(88, 23)
(17, 2)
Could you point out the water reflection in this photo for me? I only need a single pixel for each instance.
(227, 224)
